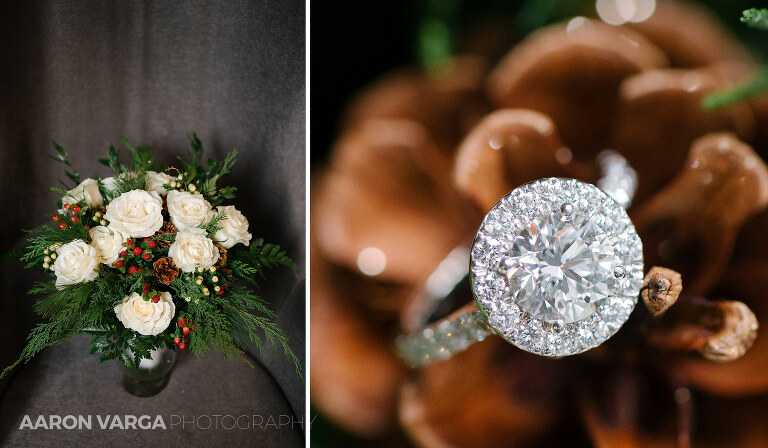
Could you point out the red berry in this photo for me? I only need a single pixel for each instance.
(177, 341)
(62, 225)
(55, 217)
(146, 285)
(66, 205)
(74, 219)
(129, 243)
(192, 328)
(137, 251)
(221, 292)
(76, 209)
(146, 256)
(132, 270)
(185, 330)
(182, 346)
(141, 269)
(123, 253)
(119, 263)
(182, 322)
(146, 239)
(155, 298)
(151, 244)
(145, 292)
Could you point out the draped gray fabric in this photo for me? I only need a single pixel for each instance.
(83, 72)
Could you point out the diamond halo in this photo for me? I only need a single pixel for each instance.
(556, 267)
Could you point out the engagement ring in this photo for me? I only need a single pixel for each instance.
(555, 268)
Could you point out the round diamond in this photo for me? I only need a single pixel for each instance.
(557, 247)
(561, 269)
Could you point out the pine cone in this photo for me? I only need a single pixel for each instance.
(414, 171)
(164, 230)
(165, 270)
(222, 256)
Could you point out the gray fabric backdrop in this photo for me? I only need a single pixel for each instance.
(83, 72)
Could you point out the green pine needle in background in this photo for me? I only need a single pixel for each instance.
(436, 32)
(756, 18)
(755, 86)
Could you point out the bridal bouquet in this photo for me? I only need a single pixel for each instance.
(151, 258)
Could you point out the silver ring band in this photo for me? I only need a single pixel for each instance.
(445, 338)
(449, 275)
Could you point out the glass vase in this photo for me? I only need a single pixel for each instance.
(152, 375)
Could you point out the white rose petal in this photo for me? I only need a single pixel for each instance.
(88, 190)
(109, 183)
(108, 243)
(137, 213)
(145, 316)
(155, 182)
(76, 263)
(192, 248)
(188, 210)
(234, 229)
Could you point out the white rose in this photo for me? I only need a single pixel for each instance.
(145, 316)
(108, 243)
(88, 190)
(188, 210)
(155, 182)
(76, 263)
(192, 248)
(137, 213)
(109, 183)
(234, 229)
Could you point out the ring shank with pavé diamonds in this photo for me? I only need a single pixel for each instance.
(555, 269)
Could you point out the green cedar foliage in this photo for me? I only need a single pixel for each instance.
(206, 176)
(247, 264)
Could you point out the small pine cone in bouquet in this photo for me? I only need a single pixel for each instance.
(421, 159)
(165, 234)
(166, 270)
